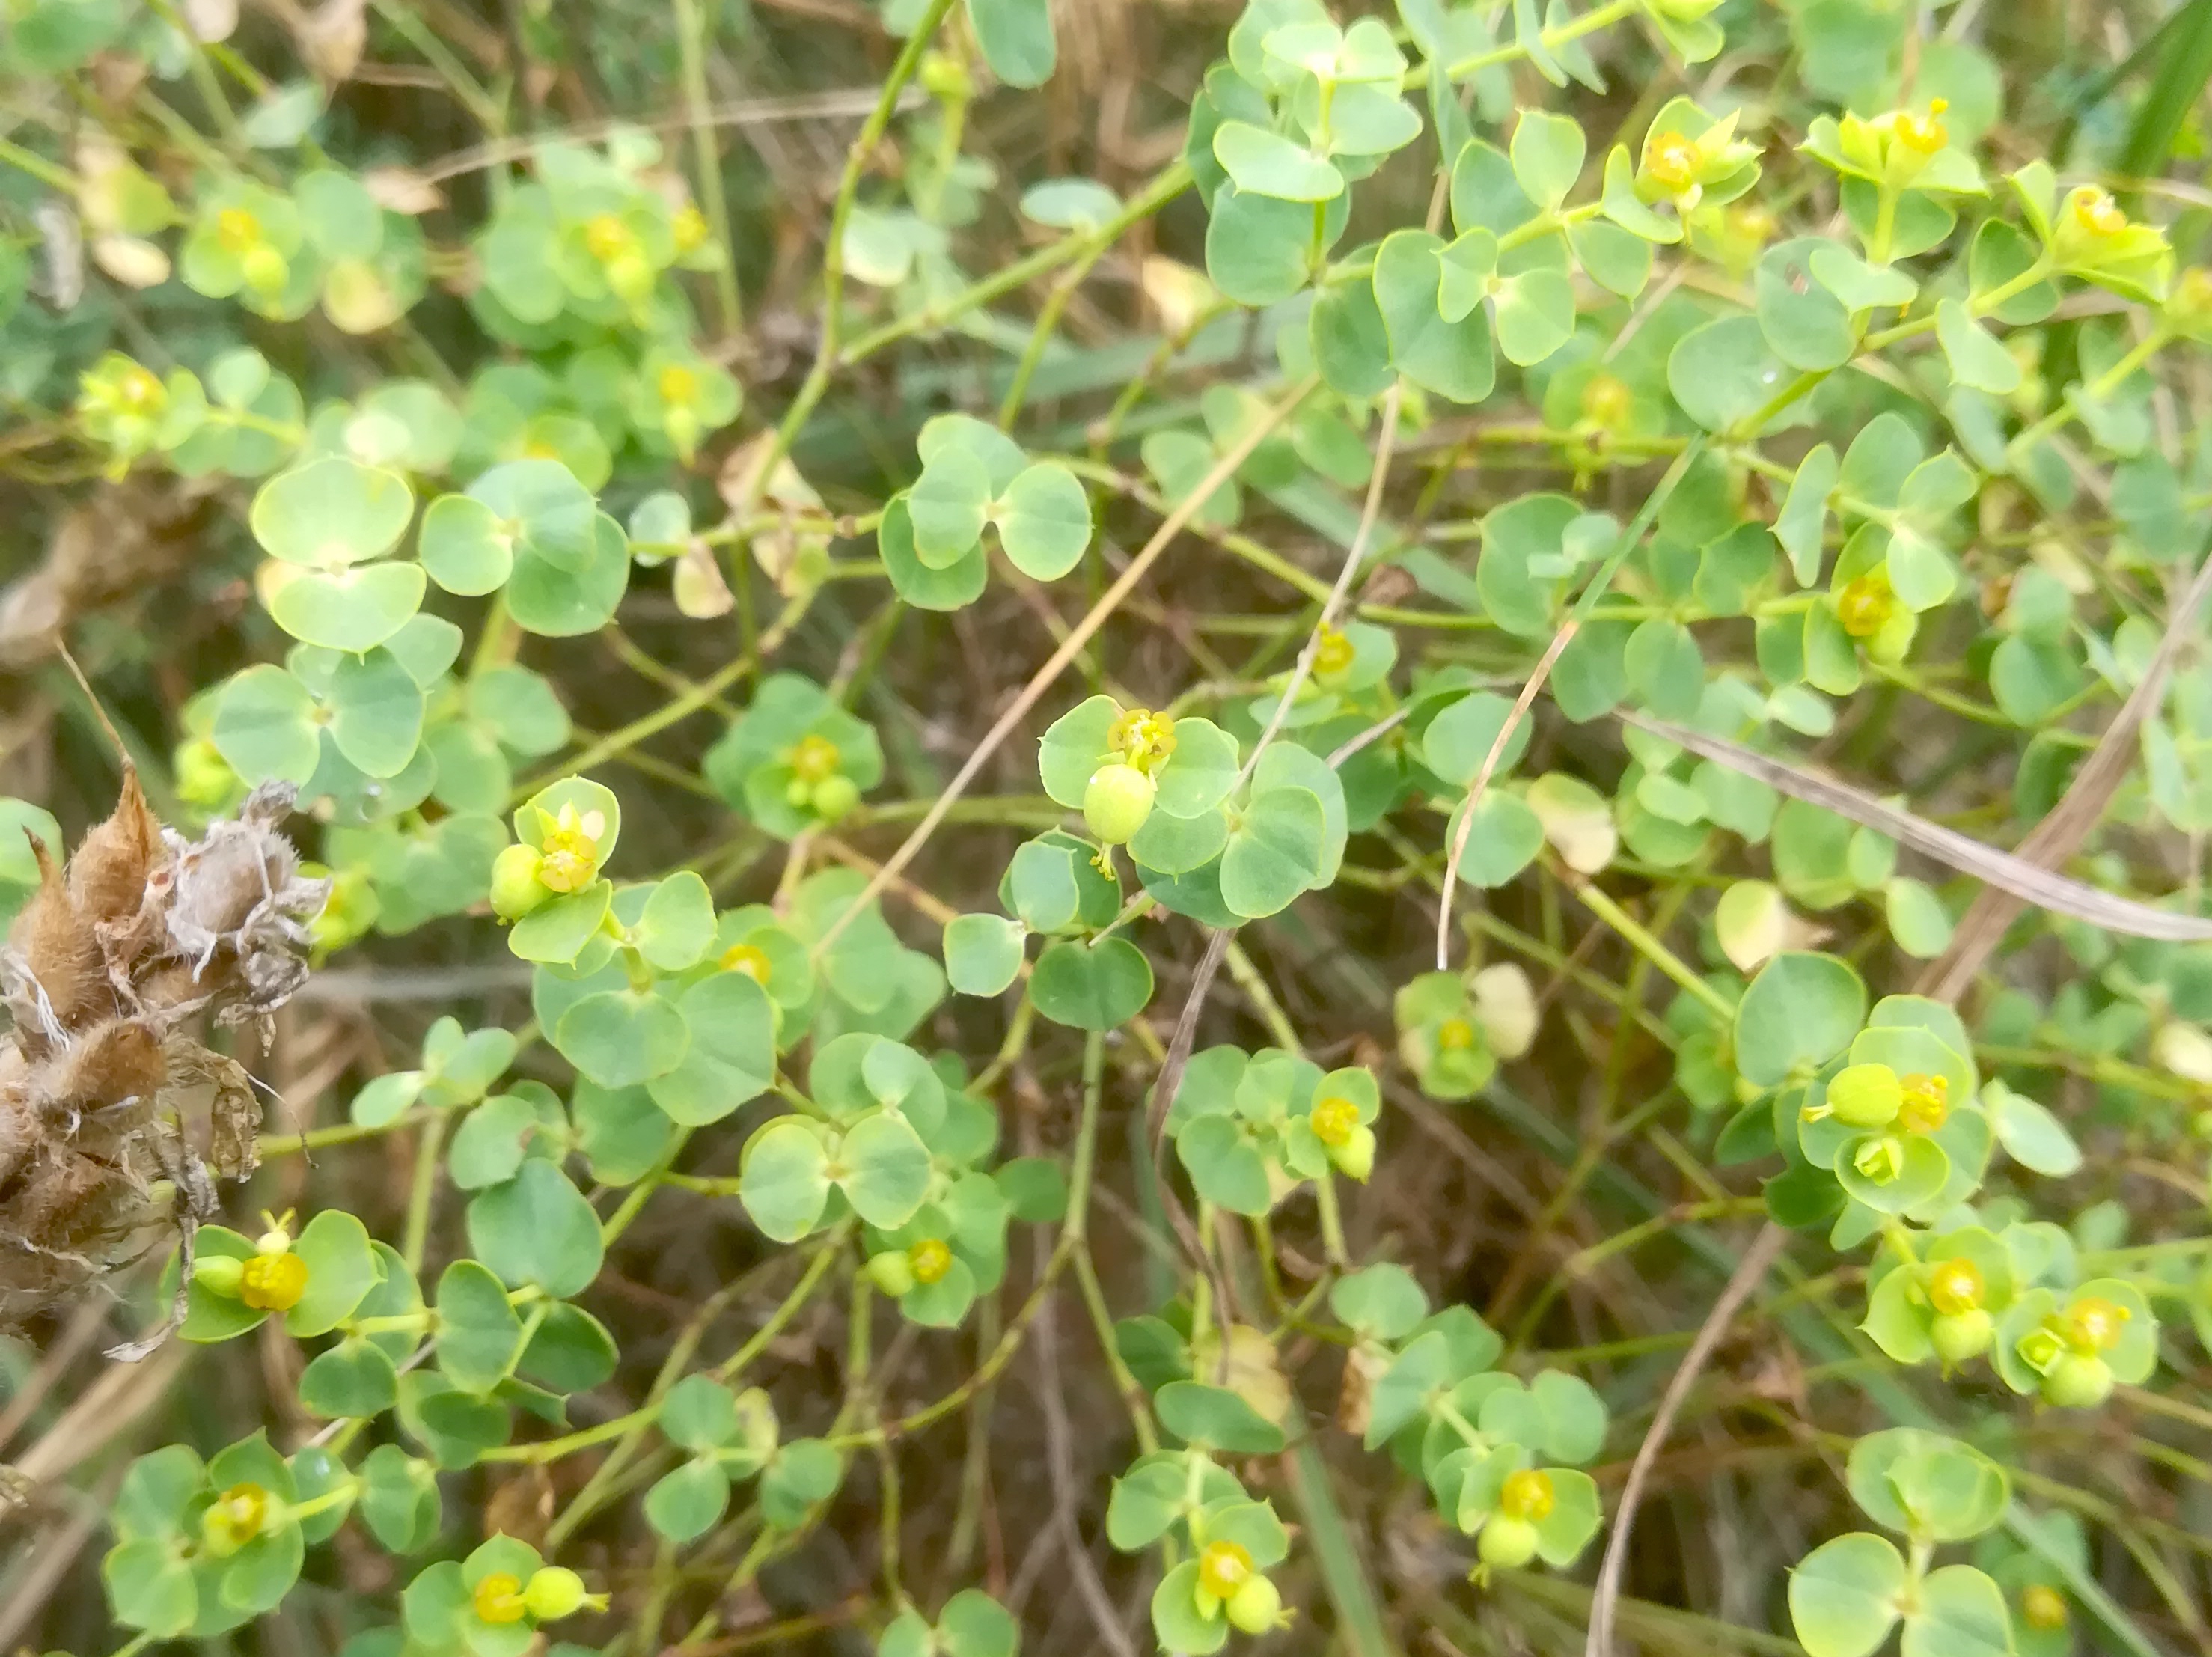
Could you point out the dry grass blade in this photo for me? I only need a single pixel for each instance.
(1757, 1259)
(2006, 871)
(2060, 834)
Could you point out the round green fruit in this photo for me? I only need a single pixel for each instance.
(1257, 1606)
(2077, 1382)
(1506, 1543)
(1117, 801)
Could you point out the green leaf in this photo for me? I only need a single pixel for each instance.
(2031, 1135)
(1860, 286)
(700, 1413)
(330, 513)
(1226, 1167)
(1453, 359)
(1803, 520)
(1925, 1168)
(466, 546)
(1547, 154)
(1275, 853)
(1199, 773)
(1918, 922)
(1459, 740)
(1016, 38)
(342, 1267)
(1217, 1419)
(1725, 372)
(479, 1334)
(1350, 346)
(619, 1037)
(686, 1504)
(1175, 1618)
(376, 712)
(1976, 358)
(353, 610)
(265, 726)
(1961, 1613)
(1843, 1595)
(884, 1169)
(1806, 325)
(1264, 163)
(1092, 986)
(804, 1472)
(1611, 257)
(1800, 1011)
(982, 952)
(732, 1056)
(537, 1228)
(959, 584)
(557, 931)
(1256, 247)
(678, 923)
(1536, 315)
(1382, 1302)
(565, 597)
(149, 1587)
(784, 1182)
(947, 507)
(1044, 521)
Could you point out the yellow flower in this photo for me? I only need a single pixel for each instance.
(238, 1515)
(1924, 133)
(1142, 738)
(1670, 161)
(931, 1260)
(1333, 1119)
(1954, 1285)
(814, 759)
(1927, 1104)
(1334, 654)
(1527, 1493)
(2042, 1607)
(498, 1599)
(273, 1282)
(2094, 1324)
(1865, 605)
(606, 238)
(569, 849)
(2097, 213)
(1454, 1036)
(678, 386)
(748, 959)
(1223, 1567)
(690, 228)
(237, 229)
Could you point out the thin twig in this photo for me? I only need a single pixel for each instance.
(1756, 1261)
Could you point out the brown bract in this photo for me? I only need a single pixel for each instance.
(110, 974)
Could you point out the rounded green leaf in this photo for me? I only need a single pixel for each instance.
(947, 506)
(1725, 372)
(1044, 521)
(883, 1168)
(537, 1228)
(700, 1413)
(982, 952)
(265, 726)
(619, 1037)
(376, 712)
(1275, 853)
(352, 610)
(1800, 1011)
(342, 1267)
(1092, 986)
(1075, 745)
(689, 1503)
(466, 547)
(1216, 1418)
(1265, 163)
(732, 1055)
(330, 513)
(1959, 1612)
(562, 599)
(958, 584)
(1843, 1595)
(785, 1183)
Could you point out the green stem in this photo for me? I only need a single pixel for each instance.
(1589, 23)
(690, 36)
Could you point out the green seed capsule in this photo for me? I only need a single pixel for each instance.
(1506, 1543)
(1117, 801)
(2075, 1382)
(1959, 1336)
(1257, 1606)
(891, 1272)
(264, 269)
(834, 796)
(1866, 1096)
(515, 888)
(1355, 1157)
(552, 1592)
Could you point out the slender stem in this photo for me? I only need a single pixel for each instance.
(690, 38)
